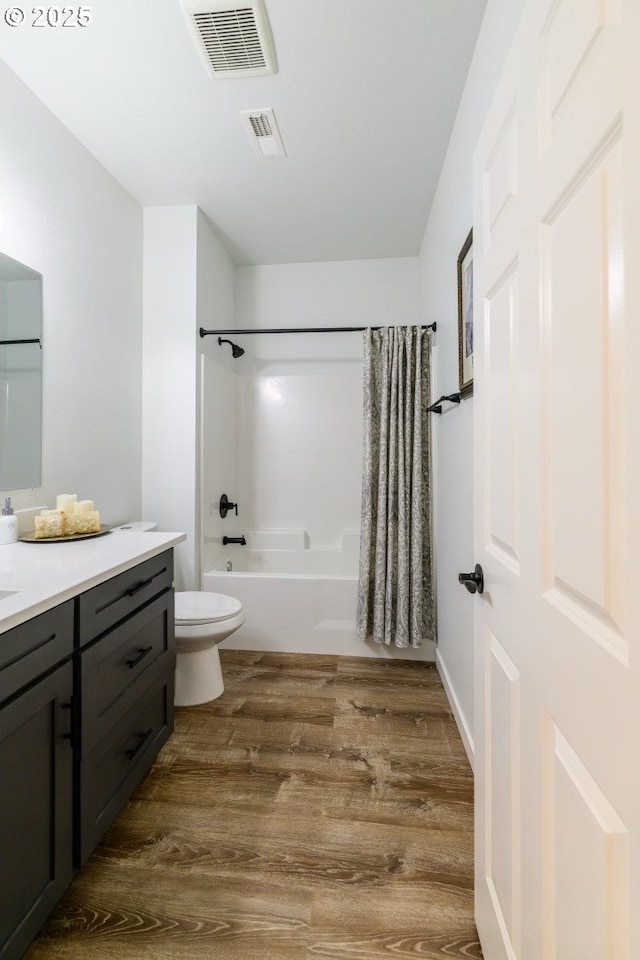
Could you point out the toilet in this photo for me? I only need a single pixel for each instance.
(202, 621)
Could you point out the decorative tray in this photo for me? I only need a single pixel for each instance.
(31, 537)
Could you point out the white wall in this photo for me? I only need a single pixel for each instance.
(188, 283)
(169, 446)
(63, 215)
(346, 293)
(449, 223)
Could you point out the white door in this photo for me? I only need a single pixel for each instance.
(557, 479)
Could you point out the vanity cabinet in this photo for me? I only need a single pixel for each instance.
(36, 767)
(125, 680)
(86, 703)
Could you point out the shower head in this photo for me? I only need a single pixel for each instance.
(236, 351)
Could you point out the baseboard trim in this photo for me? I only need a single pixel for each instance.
(465, 733)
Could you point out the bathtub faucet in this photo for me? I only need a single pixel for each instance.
(240, 540)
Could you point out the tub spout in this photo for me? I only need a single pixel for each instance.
(241, 540)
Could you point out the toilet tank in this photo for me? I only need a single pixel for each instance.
(140, 526)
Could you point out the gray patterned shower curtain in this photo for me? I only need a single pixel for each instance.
(395, 591)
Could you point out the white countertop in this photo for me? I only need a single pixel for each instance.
(45, 574)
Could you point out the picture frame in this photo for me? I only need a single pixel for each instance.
(465, 317)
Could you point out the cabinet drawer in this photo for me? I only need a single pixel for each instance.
(111, 772)
(104, 606)
(119, 667)
(33, 648)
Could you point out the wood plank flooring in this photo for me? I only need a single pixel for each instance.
(322, 808)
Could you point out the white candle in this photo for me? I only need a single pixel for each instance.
(83, 506)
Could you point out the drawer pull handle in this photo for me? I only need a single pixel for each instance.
(140, 586)
(67, 706)
(142, 739)
(141, 655)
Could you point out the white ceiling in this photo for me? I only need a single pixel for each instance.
(365, 98)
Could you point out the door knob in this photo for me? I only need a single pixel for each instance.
(474, 582)
(226, 506)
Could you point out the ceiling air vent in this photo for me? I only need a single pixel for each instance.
(264, 133)
(234, 39)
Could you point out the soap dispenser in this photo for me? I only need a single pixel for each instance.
(8, 523)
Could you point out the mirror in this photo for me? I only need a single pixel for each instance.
(20, 375)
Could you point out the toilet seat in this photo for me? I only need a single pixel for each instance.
(193, 608)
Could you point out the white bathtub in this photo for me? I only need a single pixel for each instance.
(300, 601)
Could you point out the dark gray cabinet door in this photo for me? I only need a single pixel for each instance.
(35, 808)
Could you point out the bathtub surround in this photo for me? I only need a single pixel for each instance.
(299, 450)
(286, 449)
(395, 594)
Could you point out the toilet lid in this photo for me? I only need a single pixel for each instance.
(195, 606)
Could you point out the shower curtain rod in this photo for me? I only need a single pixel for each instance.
(206, 333)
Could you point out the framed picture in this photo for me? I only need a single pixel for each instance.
(465, 317)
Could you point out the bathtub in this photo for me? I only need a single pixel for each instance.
(311, 610)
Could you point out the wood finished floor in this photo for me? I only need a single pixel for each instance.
(322, 808)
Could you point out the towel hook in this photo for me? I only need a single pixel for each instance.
(436, 406)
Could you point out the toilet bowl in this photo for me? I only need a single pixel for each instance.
(202, 621)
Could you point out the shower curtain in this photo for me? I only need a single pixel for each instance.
(395, 590)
